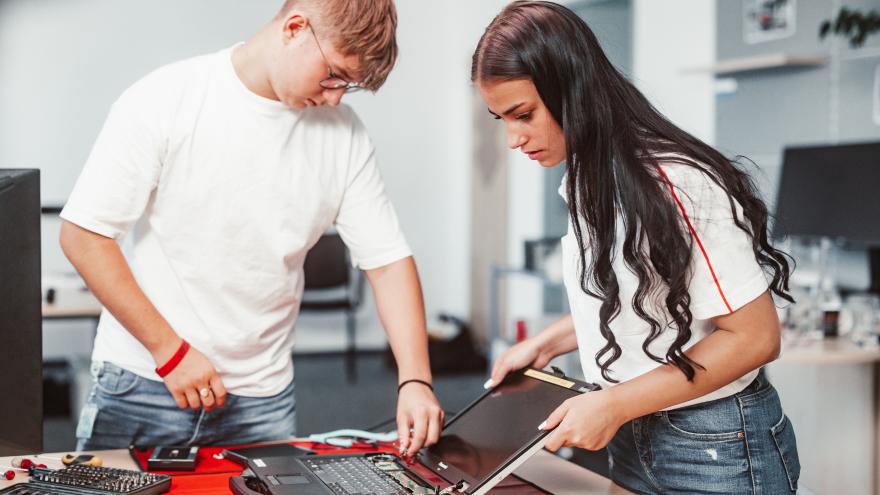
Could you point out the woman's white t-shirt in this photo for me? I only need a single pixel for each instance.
(219, 194)
(724, 277)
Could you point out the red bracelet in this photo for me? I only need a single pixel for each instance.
(172, 363)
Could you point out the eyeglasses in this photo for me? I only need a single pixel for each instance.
(334, 81)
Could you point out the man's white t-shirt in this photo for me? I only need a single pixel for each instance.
(724, 277)
(219, 193)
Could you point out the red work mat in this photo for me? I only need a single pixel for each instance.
(211, 475)
(206, 463)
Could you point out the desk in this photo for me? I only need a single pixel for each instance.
(827, 351)
(83, 310)
(73, 347)
(830, 389)
(546, 470)
(68, 298)
(561, 477)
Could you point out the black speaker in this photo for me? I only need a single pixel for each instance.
(21, 337)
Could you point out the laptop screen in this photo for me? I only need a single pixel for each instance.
(489, 434)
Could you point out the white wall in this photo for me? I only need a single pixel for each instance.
(671, 37)
(421, 124)
(62, 64)
(525, 208)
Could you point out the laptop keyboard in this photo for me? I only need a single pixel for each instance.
(353, 476)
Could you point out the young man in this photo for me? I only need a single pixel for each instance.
(221, 172)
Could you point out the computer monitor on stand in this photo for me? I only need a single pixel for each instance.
(833, 192)
(21, 340)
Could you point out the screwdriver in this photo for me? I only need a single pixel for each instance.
(74, 460)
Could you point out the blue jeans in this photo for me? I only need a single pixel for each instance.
(735, 445)
(126, 409)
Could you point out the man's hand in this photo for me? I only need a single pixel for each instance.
(588, 421)
(419, 411)
(399, 301)
(195, 383)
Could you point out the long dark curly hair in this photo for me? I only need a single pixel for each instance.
(613, 137)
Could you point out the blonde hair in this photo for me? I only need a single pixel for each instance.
(363, 28)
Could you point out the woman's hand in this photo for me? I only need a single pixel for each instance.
(588, 421)
(537, 351)
(527, 353)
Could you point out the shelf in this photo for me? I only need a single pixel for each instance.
(761, 62)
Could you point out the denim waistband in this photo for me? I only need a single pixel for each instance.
(757, 384)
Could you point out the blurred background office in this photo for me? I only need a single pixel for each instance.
(752, 77)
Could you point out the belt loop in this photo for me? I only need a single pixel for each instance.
(97, 369)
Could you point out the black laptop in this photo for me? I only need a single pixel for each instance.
(479, 447)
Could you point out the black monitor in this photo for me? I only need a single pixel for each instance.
(834, 192)
(21, 339)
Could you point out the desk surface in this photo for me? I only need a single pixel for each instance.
(561, 477)
(839, 350)
(73, 304)
(57, 311)
(552, 473)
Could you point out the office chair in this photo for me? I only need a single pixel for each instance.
(332, 284)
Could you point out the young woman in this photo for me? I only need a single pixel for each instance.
(669, 271)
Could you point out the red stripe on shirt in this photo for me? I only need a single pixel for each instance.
(694, 233)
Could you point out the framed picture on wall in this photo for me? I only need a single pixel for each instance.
(765, 20)
(877, 95)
